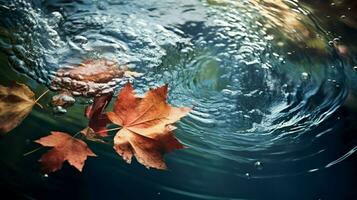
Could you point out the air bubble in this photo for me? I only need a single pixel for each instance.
(258, 165)
(59, 110)
(305, 76)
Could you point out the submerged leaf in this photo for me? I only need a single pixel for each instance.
(16, 102)
(97, 119)
(90, 78)
(147, 130)
(65, 147)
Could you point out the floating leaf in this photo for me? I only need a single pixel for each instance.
(65, 147)
(146, 126)
(16, 102)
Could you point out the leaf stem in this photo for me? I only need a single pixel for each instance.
(38, 99)
(32, 151)
(113, 129)
(74, 136)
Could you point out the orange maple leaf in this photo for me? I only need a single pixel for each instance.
(65, 147)
(146, 126)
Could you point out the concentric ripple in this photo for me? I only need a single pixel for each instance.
(261, 77)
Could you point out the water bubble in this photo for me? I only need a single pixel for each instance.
(343, 16)
(355, 68)
(258, 165)
(336, 40)
(101, 6)
(305, 76)
(56, 17)
(247, 175)
(59, 110)
(45, 176)
(80, 39)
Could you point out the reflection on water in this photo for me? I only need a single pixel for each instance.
(264, 78)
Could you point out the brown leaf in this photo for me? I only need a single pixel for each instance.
(147, 130)
(16, 102)
(97, 119)
(91, 77)
(65, 147)
(97, 71)
(91, 135)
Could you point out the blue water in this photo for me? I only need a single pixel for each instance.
(273, 97)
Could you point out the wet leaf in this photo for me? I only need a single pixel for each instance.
(97, 71)
(65, 147)
(91, 135)
(91, 77)
(146, 126)
(16, 102)
(97, 119)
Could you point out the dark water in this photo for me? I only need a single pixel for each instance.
(272, 85)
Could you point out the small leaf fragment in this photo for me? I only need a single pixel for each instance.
(65, 147)
(91, 135)
(97, 119)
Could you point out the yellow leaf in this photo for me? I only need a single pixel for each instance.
(16, 102)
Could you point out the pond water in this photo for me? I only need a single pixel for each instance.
(272, 85)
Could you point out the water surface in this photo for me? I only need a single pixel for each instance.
(266, 80)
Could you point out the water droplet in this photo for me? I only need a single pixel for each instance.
(343, 16)
(59, 110)
(280, 44)
(247, 175)
(336, 40)
(258, 165)
(355, 68)
(305, 76)
(45, 176)
(80, 39)
(28, 141)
